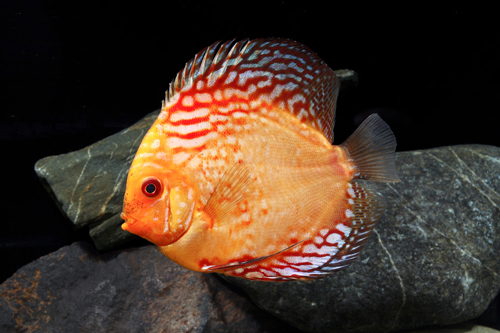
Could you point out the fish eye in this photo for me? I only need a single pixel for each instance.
(151, 187)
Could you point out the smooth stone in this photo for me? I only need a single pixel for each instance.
(433, 258)
(88, 185)
(75, 289)
(460, 328)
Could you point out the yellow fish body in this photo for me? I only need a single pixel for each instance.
(238, 175)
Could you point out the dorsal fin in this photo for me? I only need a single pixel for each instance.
(280, 73)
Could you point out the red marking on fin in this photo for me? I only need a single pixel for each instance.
(368, 208)
(280, 73)
(327, 252)
(191, 135)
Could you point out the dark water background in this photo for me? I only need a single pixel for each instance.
(72, 73)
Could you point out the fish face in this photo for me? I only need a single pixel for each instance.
(158, 204)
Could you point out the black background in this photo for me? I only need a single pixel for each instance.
(72, 73)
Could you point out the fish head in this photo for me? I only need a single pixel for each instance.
(159, 201)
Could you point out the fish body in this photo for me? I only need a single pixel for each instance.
(238, 174)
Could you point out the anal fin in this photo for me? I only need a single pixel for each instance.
(323, 254)
(367, 209)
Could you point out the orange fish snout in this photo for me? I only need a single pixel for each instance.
(168, 215)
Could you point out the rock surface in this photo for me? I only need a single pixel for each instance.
(432, 259)
(138, 290)
(89, 184)
(461, 328)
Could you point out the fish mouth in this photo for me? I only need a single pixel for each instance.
(128, 221)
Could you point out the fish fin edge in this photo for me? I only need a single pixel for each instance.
(372, 148)
(368, 208)
(325, 92)
(319, 88)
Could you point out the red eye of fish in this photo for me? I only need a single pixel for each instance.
(151, 187)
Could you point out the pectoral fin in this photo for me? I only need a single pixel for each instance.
(230, 190)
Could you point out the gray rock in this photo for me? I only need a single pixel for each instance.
(460, 328)
(138, 290)
(433, 258)
(88, 185)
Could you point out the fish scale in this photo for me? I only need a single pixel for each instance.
(238, 175)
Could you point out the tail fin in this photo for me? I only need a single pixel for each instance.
(371, 148)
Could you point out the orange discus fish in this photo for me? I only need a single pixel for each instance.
(238, 175)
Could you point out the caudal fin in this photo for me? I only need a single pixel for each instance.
(371, 148)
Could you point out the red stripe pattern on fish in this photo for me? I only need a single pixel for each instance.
(238, 175)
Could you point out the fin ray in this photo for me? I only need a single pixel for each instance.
(371, 148)
(368, 208)
(239, 264)
(228, 192)
(285, 74)
(338, 249)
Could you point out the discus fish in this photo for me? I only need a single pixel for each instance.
(238, 174)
